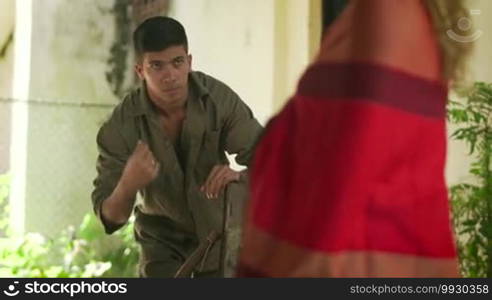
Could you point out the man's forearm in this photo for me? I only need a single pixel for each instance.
(117, 208)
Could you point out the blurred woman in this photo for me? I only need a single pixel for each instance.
(348, 179)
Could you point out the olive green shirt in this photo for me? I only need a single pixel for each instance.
(217, 120)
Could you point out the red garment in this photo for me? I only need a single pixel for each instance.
(348, 179)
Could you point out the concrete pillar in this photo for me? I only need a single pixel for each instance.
(61, 97)
(7, 19)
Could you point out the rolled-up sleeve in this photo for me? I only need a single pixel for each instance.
(242, 130)
(113, 154)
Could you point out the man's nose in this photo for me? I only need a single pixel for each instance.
(169, 74)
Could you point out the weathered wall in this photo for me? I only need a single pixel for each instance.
(70, 42)
(233, 41)
(7, 13)
(78, 64)
(257, 47)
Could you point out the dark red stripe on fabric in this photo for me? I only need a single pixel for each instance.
(245, 271)
(368, 82)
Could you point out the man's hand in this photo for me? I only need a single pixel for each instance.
(218, 178)
(141, 168)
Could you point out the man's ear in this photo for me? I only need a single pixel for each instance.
(139, 70)
(190, 59)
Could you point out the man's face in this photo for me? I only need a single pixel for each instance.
(166, 75)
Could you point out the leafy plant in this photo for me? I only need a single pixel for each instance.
(472, 202)
(85, 251)
(4, 209)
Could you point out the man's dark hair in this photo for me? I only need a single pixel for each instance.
(157, 34)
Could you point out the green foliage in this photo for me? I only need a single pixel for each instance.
(85, 251)
(472, 203)
(4, 209)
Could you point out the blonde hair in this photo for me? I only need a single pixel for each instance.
(445, 15)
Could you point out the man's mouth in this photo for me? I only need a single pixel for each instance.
(171, 90)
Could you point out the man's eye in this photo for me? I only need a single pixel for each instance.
(178, 62)
(155, 65)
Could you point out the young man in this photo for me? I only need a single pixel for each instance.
(167, 139)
